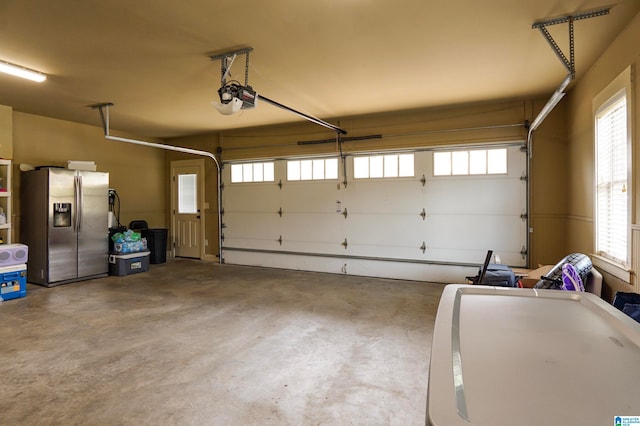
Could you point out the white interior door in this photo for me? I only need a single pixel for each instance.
(423, 227)
(187, 206)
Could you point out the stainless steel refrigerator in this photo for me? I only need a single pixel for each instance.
(64, 222)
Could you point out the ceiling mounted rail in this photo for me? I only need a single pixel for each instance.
(235, 96)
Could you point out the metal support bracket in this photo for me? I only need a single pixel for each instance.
(569, 63)
(226, 60)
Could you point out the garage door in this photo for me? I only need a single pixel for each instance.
(428, 215)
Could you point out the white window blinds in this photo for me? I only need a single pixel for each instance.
(611, 180)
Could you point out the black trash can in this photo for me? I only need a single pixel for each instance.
(157, 244)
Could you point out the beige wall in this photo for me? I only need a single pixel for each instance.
(549, 203)
(6, 132)
(136, 172)
(624, 51)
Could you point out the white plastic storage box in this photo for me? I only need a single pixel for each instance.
(13, 254)
(506, 356)
(127, 264)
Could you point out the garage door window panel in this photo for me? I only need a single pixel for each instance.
(252, 172)
(313, 169)
(384, 166)
(470, 162)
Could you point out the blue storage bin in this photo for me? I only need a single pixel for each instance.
(13, 282)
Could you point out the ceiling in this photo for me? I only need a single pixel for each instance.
(326, 58)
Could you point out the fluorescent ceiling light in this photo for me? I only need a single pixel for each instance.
(22, 72)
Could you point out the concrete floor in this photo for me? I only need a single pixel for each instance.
(195, 343)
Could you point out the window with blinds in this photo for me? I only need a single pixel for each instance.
(612, 153)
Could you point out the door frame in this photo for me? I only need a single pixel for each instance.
(199, 164)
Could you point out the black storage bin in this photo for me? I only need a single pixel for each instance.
(157, 244)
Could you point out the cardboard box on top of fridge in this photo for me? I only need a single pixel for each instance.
(81, 165)
(530, 277)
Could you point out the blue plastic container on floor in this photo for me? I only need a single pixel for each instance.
(13, 282)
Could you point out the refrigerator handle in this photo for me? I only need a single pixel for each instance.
(79, 203)
(75, 203)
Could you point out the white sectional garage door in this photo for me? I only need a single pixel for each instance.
(423, 227)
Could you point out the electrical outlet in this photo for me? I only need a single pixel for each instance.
(206, 243)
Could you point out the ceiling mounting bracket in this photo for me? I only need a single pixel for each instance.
(570, 63)
(227, 59)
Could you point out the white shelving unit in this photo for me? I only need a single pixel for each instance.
(5, 199)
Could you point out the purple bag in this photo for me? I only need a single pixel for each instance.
(571, 280)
